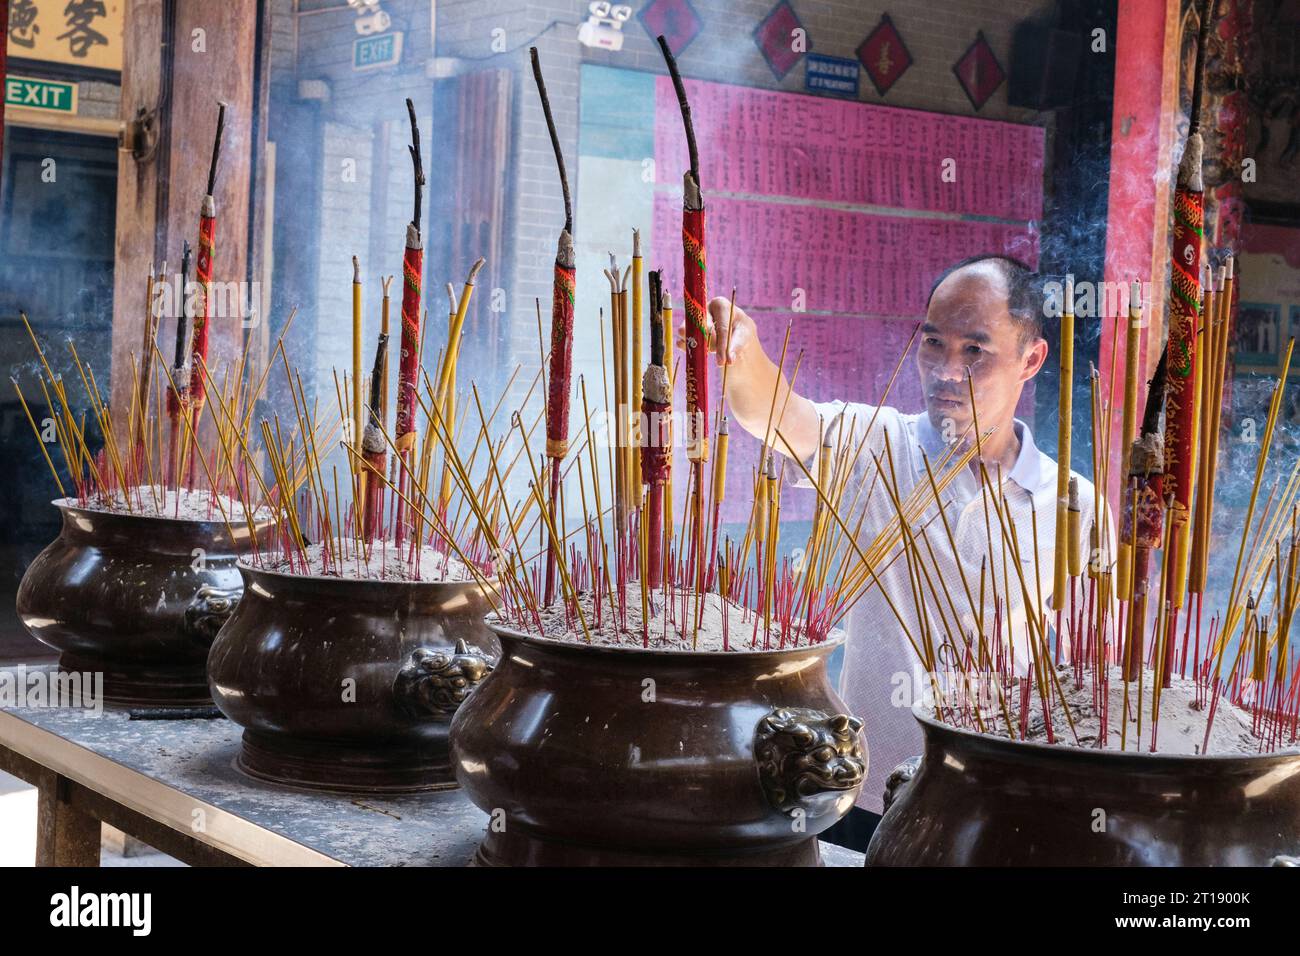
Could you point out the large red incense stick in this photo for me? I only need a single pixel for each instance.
(409, 369)
(561, 364)
(697, 338)
(177, 398)
(1180, 348)
(203, 274)
(656, 412)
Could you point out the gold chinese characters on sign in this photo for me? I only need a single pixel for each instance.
(76, 32)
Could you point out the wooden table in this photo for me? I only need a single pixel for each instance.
(173, 785)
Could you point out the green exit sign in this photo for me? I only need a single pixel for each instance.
(41, 94)
(371, 53)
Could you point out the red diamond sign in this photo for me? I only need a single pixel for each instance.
(775, 37)
(675, 20)
(884, 55)
(978, 71)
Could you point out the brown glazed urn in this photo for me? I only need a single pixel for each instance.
(345, 684)
(620, 755)
(979, 800)
(135, 597)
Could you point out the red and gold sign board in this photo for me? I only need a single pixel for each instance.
(84, 33)
(884, 55)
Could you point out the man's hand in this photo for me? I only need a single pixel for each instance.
(753, 379)
(733, 336)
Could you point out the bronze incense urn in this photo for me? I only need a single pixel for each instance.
(621, 755)
(980, 800)
(349, 684)
(137, 598)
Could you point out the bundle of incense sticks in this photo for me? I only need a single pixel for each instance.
(141, 477)
(1167, 508)
(1248, 659)
(695, 297)
(421, 504)
(320, 530)
(619, 598)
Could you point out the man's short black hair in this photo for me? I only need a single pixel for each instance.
(1023, 293)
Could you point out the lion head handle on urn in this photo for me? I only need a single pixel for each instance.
(208, 611)
(803, 753)
(435, 682)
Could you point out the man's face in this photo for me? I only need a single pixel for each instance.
(968, 327)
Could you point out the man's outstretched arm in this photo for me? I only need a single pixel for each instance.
(753, 377)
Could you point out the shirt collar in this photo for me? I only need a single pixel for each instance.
(1027, 472)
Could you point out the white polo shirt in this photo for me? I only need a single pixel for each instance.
(882, 675)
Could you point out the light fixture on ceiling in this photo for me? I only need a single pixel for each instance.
(603, 28)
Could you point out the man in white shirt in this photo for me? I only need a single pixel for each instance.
(983, 319)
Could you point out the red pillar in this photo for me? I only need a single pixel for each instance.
(1143, 137)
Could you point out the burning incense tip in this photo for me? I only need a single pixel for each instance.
(356, 271)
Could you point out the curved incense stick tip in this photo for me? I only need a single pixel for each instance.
(685, 107)
(356, 271)
(555, 137)
(418, 163)
(451, 298)
(636, 243)
(474, 270)
(1198, 68)
(1228, 264)
(216, 146)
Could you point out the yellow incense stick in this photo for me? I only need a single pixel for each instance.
(1132, 345)
(1063, 444)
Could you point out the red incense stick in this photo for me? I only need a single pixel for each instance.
(562, 295)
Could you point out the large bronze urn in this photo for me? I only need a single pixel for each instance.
(348, 684)
(136, 598)
(621, 755)
(980, 800)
